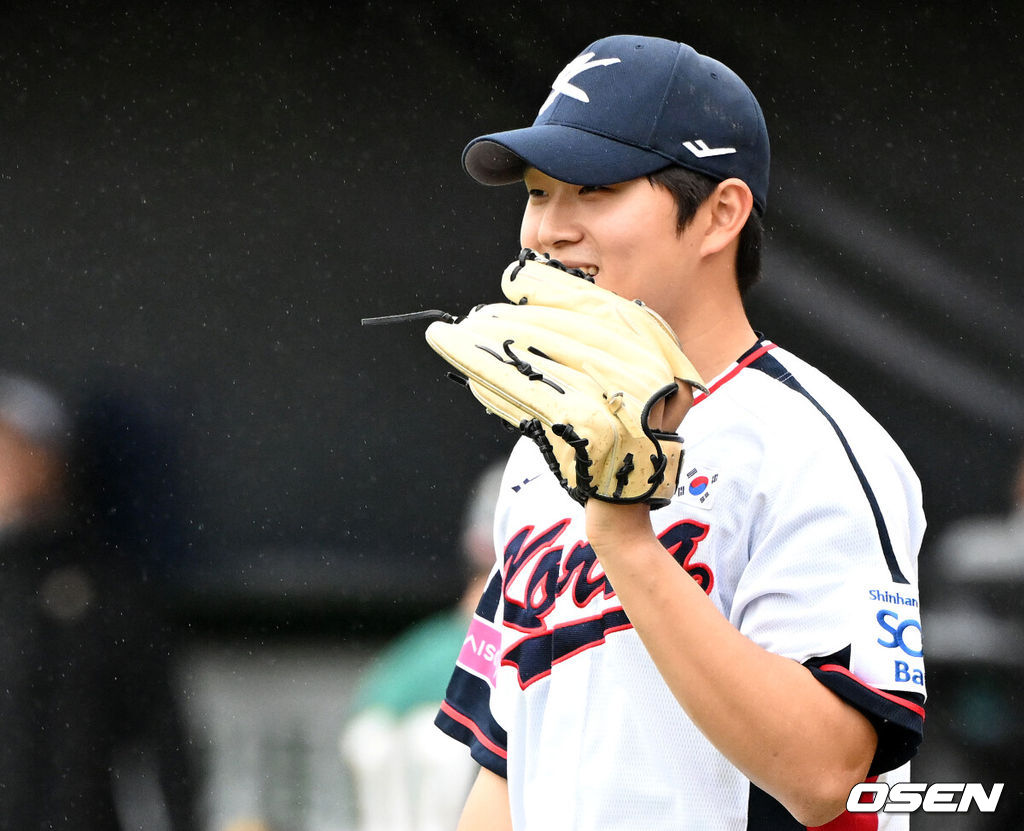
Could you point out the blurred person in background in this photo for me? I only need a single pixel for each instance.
(408, 776)
(975, 632)
(90, 733)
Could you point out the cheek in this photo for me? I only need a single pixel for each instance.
(634, 257)
(528, 231)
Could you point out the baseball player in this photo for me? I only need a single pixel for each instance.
(740, 653)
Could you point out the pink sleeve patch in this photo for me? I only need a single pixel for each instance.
(481, 651)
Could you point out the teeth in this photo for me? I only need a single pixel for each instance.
(591, 270)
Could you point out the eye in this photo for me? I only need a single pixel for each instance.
(593, 189)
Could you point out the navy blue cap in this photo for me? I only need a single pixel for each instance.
(628, 106)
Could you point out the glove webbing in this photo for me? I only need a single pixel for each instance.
(530, 254)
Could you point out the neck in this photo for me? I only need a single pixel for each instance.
(714, 335)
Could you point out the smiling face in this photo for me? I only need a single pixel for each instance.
(624, 234)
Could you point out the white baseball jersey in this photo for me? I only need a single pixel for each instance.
(799, 517)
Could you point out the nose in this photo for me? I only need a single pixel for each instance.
(551, 225)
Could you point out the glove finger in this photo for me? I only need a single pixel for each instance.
(537, 283)
(582, 329)
(623, 364)
(625, 385)
(512, 386)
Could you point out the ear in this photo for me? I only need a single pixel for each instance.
(728, 208)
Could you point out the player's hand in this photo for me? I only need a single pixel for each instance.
(668, 414)
(615, 528)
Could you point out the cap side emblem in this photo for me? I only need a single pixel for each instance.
(700, 149)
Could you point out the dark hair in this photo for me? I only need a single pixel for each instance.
(691, 190)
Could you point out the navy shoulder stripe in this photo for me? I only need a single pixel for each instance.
(768, 364)
(487, 608)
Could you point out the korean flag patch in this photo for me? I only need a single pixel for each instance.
(697, 486)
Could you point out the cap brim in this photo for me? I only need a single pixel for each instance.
(564, 153)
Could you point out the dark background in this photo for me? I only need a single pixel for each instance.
(200, 203)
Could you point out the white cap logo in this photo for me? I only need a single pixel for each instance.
(561, 85)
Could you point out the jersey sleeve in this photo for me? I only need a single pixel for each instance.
(897, 716)
(831, 583)
(469, 710)
(465, 713)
